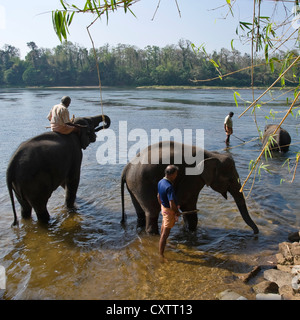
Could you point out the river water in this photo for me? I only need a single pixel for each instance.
(88, 254)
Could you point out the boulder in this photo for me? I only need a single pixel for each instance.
(285, 268)
(287, 293)
(246, 277)
(295, 248)
(268, 296)
(296, 259)
(281, 259)
(296, 283)
(295, 269)
(289, 253)
(281, 278)
(230, 295)
(2, 278)
(285, 255)
(266, 287)
(2, 282)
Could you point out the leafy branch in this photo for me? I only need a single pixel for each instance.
(265, 148)
(271, 86)
(212, 61)
(62, 19)
(262, 32)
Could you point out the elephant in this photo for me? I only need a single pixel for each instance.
(43, 163)
(141, 179)
(282, 139)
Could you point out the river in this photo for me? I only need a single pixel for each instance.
(89, 255)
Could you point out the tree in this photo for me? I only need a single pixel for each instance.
(8, 56)
(32, 77)
(12, 67)
(34, 55)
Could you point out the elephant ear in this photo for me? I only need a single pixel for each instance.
(209, 168)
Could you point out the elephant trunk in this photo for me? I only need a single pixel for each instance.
(241, 204)
(98, 119)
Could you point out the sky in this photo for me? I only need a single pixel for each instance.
(200, 22)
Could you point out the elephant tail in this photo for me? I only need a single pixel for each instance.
(11, 194)
(123, 181)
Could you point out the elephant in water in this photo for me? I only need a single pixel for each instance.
(219, 173)
(281, 140)
(43, 163)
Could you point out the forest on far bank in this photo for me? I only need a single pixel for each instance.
(69, 64)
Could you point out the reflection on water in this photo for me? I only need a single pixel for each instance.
(87, 254)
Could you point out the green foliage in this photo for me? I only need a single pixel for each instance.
(126, 65)
(62, 19)
(235, 94)
(61, 22)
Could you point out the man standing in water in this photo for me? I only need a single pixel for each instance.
(169, 209)
(59, 117)
(228, 127)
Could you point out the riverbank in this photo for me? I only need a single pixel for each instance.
(197, 88)
(281, 276)
(152, 87)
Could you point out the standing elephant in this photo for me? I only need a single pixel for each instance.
(219, 173)
(42, 164)
(281, 140)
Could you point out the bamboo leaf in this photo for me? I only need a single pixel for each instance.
(88, 6)
(231, 43)
(71, 18)
(63, 4)
(131, 12)
(272, 66)
(56, 20)
(235, 94)
(267, 53)
(214, 63)
(245, 24)
(97, 10)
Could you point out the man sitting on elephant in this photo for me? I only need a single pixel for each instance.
(60, 119)
(169, 207)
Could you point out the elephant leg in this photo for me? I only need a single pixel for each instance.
(71, 188)
(150, 209)
(152, 222)
(190, 221)
(141, 220)
(26, 208)
(26, 211)
(42, 212)
(189, 203)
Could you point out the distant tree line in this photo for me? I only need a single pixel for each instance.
(69, 64)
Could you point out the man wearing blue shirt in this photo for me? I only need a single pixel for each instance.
(169, 206)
